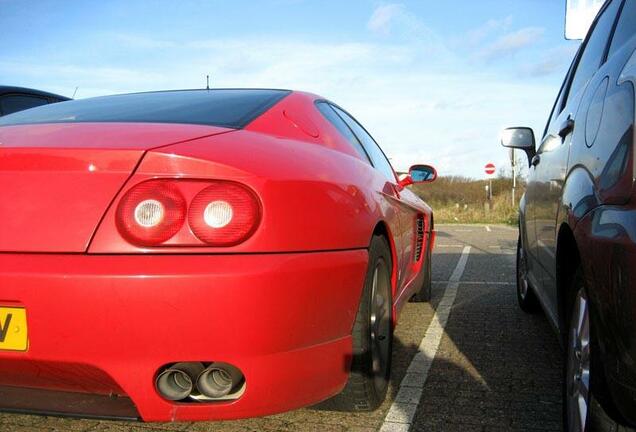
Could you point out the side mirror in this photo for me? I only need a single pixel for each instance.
(419, 174)
(521, 138)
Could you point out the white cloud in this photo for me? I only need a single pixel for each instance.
(479, 34)
(383, 17)
(555, 60)
(511, 43)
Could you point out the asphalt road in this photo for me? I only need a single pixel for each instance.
(469, 361)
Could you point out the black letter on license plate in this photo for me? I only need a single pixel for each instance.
(4, 329)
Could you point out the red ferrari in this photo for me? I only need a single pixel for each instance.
(203, 254)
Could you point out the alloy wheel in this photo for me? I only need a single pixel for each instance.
(380, 324)
(578, 364)
(522, 272)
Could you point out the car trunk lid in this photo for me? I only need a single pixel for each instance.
(59, 179)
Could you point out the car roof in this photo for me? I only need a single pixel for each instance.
(13, 89)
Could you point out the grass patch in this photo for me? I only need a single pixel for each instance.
(461, 200)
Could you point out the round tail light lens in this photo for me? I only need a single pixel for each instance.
(224, 214)
(151, 213)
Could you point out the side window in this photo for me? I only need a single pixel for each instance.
(327, 111)
(626, 27)
(594, 50)
(18, 102)
(558, 103)
(378, 158)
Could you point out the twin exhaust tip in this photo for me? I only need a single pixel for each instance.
(217, 381)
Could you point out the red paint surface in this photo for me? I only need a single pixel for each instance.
(279, 305)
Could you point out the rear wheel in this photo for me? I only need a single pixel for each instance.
(372, 336)
(525, 295)
(586, 402)
(577, 364)
(425, 291)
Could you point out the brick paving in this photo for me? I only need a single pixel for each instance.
(497, 369)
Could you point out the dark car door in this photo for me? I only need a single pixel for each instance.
(551, 162)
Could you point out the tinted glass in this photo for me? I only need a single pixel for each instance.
(227, 108)
(342, 127)
(594, 49)
(375, 153)
(14, 103)
(626, 27)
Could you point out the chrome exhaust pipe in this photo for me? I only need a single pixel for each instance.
(215, 381)
(177, 382)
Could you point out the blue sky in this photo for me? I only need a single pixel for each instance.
(433, 81)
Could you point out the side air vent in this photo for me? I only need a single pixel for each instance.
(419, 237)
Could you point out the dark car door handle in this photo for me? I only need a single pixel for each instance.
(567, 127)
(535, 160)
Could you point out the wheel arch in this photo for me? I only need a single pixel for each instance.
(568, 259)
(383, 229)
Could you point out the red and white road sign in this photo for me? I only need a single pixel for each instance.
(489, 169)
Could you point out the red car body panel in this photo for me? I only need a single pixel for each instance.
(105, 315)
(283, 319)
(80, 165)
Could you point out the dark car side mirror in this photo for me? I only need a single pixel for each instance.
(419, 174)
(521, 138)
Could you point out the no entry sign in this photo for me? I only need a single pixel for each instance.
(489, 169)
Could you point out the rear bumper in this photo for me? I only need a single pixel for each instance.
(106, 324)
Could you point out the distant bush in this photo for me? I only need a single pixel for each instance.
(463, 200)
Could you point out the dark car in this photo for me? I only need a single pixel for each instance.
(577, 244)
(14, 99)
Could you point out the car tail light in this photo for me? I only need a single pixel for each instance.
(151, 213)
(224, 214)
(219, 213)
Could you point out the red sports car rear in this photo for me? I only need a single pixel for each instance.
(195, 255)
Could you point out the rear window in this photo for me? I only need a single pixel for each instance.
(223, 107)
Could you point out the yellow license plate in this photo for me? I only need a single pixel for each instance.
(13, 329)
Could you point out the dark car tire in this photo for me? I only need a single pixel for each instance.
(582, 354)
(526, 296)
(425, 292)
(372, 344)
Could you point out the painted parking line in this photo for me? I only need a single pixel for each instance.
(402, 411)
(476, 283)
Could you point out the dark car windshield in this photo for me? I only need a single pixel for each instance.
(232, 108)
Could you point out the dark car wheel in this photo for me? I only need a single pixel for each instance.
(586, 402)
(425, 291)
(372, 336)
(525, 295)
(577, 363)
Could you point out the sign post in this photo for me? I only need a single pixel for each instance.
(490, 169)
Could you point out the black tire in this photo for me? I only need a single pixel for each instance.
(425, 292)
(369, 376)
(526, 297)
(600, 412)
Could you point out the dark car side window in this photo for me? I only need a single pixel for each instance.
(19, 102)
(378, 158)
(327, 111)
(626, 27)
(594, 51)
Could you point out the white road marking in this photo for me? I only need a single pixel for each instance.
(449, 245)
(488, 228)
(477, 283)
(402, 411)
